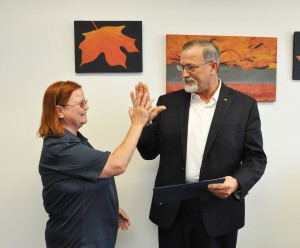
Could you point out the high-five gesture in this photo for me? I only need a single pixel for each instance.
(142, 90)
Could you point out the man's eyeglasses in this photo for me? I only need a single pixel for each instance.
(82, 104)
(190, 68)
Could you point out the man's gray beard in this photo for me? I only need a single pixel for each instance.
(191, 88)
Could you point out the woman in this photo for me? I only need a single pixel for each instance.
(79, 190)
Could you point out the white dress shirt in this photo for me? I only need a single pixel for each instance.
(200, 118)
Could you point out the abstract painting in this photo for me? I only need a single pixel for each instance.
(108, 46)
(296, 56)
(248, 64)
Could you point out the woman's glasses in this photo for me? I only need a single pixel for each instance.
(82, 103)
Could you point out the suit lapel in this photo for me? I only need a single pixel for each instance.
(184, 106)
(223, 104)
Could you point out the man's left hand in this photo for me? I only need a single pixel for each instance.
(224, 190)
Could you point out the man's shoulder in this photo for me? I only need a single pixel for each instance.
(176, 94)
(238, 94)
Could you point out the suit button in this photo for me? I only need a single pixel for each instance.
(183, 168)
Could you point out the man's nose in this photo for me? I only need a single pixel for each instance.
(185, 73)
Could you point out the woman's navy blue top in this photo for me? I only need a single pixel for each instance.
(83, 209)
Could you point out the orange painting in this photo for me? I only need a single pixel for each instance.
(248, 64)
(108, 46)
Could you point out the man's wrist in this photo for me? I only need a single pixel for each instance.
(237, 192)
(239, 189)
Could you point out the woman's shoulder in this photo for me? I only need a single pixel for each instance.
(62, 140)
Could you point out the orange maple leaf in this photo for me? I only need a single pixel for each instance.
(107, 40)
(298, 57)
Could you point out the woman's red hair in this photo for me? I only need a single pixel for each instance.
(56, 94)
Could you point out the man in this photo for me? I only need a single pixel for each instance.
(207, 131)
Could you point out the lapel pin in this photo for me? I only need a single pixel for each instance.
(225, 99)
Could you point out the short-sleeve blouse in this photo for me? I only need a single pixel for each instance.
(83, 209)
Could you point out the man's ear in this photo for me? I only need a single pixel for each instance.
(59, 110)
(214, 67)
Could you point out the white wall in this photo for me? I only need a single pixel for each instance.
(37, 48)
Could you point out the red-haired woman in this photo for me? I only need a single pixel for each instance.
(79, 190)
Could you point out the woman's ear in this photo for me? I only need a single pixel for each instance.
(59, 110)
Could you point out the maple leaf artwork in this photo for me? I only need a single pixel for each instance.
(298, 57)
(107, 40)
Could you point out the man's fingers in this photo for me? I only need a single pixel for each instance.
(144, 100)
(156, 111)
(146, 90)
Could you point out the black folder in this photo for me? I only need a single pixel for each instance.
(179, 192)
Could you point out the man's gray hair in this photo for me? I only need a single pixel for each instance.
(210, 50)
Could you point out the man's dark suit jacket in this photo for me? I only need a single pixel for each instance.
(234, 148)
